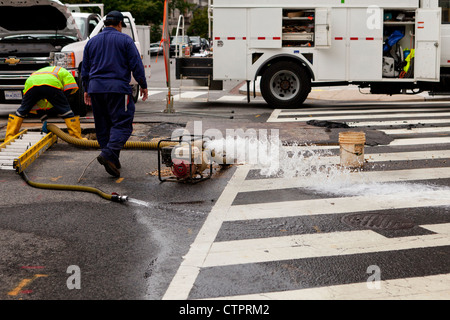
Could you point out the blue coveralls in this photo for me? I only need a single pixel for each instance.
(108, 60)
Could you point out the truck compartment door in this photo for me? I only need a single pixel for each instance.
(265, 26)
(365, 45)
(428, 44)
(230, 43)
(331, 64)
(323, 28)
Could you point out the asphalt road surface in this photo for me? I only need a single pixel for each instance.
(298, 226)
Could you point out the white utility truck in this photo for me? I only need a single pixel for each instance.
(71, 56)
(38, 33)
(389, 47)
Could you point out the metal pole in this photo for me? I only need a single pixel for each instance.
(166, 51)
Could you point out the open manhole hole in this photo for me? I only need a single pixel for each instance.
(377, 221)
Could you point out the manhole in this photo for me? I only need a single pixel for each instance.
(377, 221)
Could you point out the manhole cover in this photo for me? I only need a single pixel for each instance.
(377, 221)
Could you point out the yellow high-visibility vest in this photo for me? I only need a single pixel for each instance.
(56, 77)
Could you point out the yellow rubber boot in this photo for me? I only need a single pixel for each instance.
(74, 128)
(13, 128)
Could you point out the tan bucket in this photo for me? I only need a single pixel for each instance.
(352, 149)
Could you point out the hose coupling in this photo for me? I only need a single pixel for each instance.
(118, 198)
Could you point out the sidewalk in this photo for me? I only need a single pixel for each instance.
(353, 93)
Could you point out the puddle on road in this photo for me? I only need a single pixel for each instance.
(141, 203)
(171, 207)
(310, 164)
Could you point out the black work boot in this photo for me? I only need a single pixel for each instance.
(110, 167)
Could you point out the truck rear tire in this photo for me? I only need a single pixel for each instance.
(135, 92)
(285, 84)
(77, 101)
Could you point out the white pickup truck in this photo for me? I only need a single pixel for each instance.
(56, 38)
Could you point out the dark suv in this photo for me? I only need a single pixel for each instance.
(176, 41)
(196, 44)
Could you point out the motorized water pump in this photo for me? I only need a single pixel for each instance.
(188, 160)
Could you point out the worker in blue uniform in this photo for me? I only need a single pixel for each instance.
(108, 61)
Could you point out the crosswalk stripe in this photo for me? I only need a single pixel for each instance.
(398, 123)
(412, 131)
(332, 112)
(188, 95)
(232, 98)
(372, 123)
(185, 277)
(339, 205)
(346, 179)
(435, 287)
(323, 159)
(152, 93)
(374, 116)
(317, 245)
(417, 141)
(336, 198)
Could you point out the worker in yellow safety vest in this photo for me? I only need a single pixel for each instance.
(45, 89)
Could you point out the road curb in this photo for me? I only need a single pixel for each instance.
(349, 94)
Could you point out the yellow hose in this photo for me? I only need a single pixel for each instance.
(145, 145)
(91, 144)
(52, 186)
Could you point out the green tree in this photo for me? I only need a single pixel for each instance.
(145, 12)
(155, 33)
(199, 23)
(182, 5)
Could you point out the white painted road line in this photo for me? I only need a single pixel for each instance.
(412, 131)
(316, 245)
(339, 205)
(436, 287)
(374, 116)
(312, 113)
(356, 178)
(232, 98)
(185, 277)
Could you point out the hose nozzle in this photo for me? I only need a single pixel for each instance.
(119, 198)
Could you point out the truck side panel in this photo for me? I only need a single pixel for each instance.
(330, 62)
(265, 26)
(313, 3)
(365, 45)
(428, 37)
(144, 41)
(230, 44)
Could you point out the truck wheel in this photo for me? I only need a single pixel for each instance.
(135, 92)
(77, 101)
(285, 84)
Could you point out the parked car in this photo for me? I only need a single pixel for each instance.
(196, 44)
(177, 40)
(155, 49)
(27, 45)
(57, 38)
(205, 44)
